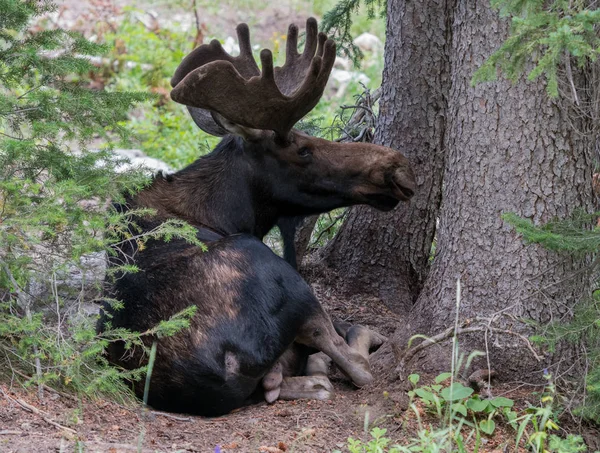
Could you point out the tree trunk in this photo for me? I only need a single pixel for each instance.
(509, 149)
(387, 254)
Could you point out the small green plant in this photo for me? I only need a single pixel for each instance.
(461, 402)
(378, 444)
(472, 416)
(570, 444)
(537, 423)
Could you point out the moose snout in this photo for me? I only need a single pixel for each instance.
(404, 183)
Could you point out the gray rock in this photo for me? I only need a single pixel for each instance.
(368, 42)
(137, 159)
(339, 80)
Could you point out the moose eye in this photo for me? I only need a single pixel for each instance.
(304, 152)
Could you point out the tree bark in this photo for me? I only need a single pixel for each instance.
(509, 149)
(387, 254)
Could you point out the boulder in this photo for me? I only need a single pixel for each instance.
(368, 42)
(137, 159)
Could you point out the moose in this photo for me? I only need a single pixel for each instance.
(258, 328)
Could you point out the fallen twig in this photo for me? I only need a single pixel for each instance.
(449, 332)
(174, 417)
(35, 410)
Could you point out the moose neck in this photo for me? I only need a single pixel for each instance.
(217, 191)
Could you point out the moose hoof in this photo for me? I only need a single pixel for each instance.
(362, 379)
(306, 387)
(272, 395)
(271, 383)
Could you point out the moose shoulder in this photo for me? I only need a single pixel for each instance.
(255, 314)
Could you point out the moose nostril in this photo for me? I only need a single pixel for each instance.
(408, 192)
(405, 180)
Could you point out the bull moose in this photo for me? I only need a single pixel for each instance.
(255, 315)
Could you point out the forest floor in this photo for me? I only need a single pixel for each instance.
(62, 423)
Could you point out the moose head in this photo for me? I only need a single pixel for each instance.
(299, 174)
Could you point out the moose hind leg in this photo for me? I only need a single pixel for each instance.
(271, 383)
(291, 363)
(318, 364)
(306, 387)
(315, 385)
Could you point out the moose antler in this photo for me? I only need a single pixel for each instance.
(233, 87)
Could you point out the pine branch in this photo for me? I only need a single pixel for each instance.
(337, 23)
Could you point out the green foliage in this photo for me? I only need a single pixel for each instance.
(571, 444)
(378, 444)
(338, 21)
(460, 402)
(464, 416)
(54, 193)
(143, 58)
(473, 416)
(574, 236)
(537, 422)
(545, 33)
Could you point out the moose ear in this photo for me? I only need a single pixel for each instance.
(205, 121)
(247, 133)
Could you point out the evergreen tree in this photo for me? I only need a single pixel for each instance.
(54, 196)
(433, 51)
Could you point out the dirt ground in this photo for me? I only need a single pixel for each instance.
(61, 423)
(288, 426)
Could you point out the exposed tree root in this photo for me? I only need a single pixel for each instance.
(466, 327)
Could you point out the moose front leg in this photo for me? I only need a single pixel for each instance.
(316, 384)
(318, 332)
(282, 381)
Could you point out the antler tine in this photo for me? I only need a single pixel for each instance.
(291, 51)
(214, 51)
(266, 60)
(276, 100)
(290, 75)
(311, 34)
(243, 33)
(322, 39)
